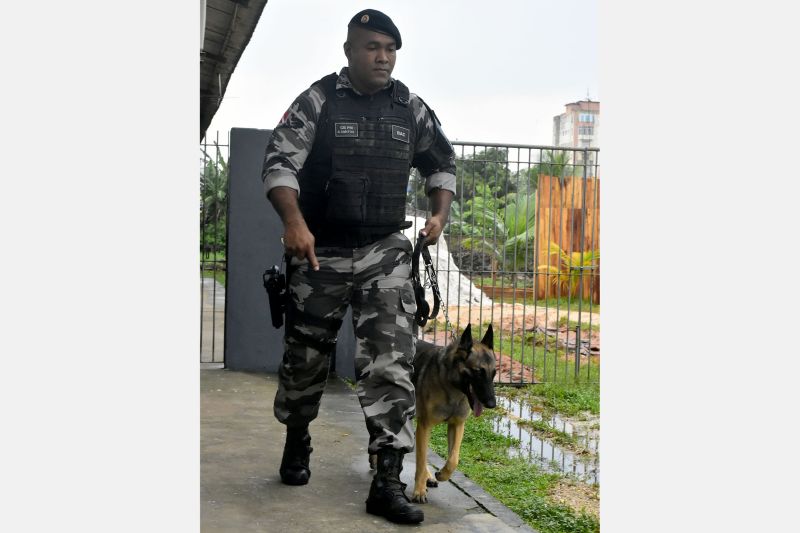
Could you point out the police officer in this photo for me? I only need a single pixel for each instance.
(336, 170)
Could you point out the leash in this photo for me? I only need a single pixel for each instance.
(431, 280)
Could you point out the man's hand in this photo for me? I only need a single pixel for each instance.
(433, 229)
(299, 242)
(440, 210)
(297, 239)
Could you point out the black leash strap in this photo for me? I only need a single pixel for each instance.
(423, 309)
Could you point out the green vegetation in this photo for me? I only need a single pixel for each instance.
(567, 399)
(568, 303)
(546, 431)
(213, 203)
(506, 282)
(571, 324)
(549, 362)
(500, 227)
(554, 164)
(521, 486)
(219, 275)
(563, 304)
(349, 382)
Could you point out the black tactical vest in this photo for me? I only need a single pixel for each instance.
(353, 184)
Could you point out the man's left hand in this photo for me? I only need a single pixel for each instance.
(433, 228)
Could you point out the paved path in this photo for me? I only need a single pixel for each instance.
(241, 446)
(212, 321)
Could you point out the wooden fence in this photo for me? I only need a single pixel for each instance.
(567, 215)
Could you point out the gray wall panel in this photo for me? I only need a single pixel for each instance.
(254, 230)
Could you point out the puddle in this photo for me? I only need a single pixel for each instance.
(551, 457)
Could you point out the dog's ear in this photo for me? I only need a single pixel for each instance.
(488, 337)
(466, 339)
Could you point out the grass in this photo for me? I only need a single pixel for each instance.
(219, 275)
(572, 323)
(349, 382)
(549, 362)
(521, 486)
(558, 437)
(551, 303)
(573, 304)
(212, 256)
(212, 265)
(568, 399)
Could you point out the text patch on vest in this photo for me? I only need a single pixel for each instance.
(347, 129)
(400, 133)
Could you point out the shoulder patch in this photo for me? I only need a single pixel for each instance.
(290, 119)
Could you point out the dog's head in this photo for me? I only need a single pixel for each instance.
(475, 366)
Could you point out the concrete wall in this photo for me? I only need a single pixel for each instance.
(254, 231)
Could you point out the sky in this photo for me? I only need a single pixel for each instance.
(494, 72)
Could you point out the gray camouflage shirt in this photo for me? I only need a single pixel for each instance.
(293, 138)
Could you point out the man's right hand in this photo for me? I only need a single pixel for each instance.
(299, 242)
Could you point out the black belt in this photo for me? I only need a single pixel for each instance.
(422, 315)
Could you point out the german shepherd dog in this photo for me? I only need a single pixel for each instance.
(449, 381)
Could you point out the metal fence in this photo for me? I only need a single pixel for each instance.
(521, 251)
(213, 237)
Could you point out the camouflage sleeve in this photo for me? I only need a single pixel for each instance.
(292, 140)
(434, 156)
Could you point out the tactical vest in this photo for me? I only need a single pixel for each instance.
(353, 184)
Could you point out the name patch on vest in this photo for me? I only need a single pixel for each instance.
(400, 133)
(346, 129)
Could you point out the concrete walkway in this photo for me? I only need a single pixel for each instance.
(212, 321)
(241, 447)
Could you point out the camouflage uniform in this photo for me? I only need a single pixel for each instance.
(373, 279)
(293, 137)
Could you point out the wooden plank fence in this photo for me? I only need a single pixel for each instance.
(564, 220)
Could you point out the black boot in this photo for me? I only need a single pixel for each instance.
(386, 496)
(294, 465)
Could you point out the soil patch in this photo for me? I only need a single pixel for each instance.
(578, 496)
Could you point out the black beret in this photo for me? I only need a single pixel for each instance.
(371, 19)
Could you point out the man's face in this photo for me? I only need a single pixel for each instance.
(371, 56)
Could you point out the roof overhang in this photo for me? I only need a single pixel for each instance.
(227, 28)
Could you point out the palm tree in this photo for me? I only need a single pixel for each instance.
(214, 187)
(213, 202)
(555, 164)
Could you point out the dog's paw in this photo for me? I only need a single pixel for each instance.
(420, 496)
(441, 476)
(432, 483)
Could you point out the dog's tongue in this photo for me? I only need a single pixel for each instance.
(477, 407)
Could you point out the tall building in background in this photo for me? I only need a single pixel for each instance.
(578, 127)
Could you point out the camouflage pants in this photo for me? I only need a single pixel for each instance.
(375, 281)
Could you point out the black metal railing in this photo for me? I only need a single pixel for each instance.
(521, 251)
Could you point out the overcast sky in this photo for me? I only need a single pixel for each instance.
(493, 71)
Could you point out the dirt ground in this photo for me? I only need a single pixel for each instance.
(578, 496)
